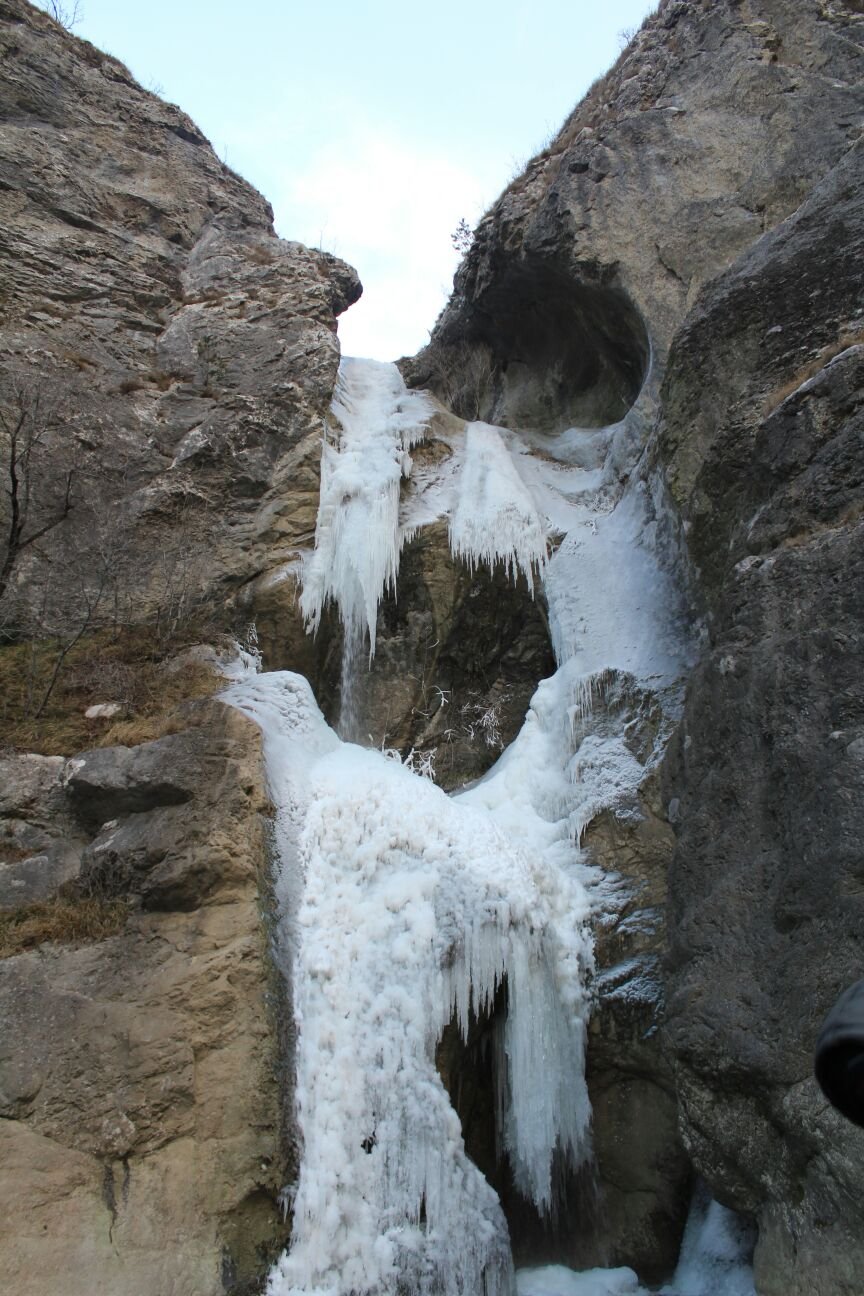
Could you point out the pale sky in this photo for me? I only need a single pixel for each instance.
(372, 127)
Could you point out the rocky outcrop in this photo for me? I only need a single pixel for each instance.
(139, 1096)
(175, 361)
(40, 842)
(715, 123)
(700, 213)
(762, 436)
(185, 356)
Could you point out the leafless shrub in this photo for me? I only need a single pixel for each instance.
(67, 15)
(40, 486)
(462, 374)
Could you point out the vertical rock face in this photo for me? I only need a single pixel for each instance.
(714, 124)
(766, 880)
(698, 222)
(187, 356)
(138, 1077)
(188, 353)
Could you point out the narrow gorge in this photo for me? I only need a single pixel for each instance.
(430, 792)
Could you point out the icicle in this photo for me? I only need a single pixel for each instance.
(494, 518)
(413, 906)
(356, 555)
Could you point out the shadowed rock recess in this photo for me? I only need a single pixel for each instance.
(687, 252)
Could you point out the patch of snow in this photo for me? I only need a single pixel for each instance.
(556, 1280)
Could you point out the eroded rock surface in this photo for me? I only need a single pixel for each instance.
(714, 124)
(720, 123)
(141, 1109)
(186, 355)
(762, 434)
(180, 360)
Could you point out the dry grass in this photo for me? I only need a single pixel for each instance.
(126, 668)
(811, 368)
(159, 378)
(12, 854)
(66, 921)
(260, 254)
(80, 361)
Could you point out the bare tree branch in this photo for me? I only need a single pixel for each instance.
(35, 482)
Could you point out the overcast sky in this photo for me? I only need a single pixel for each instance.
(372, 127)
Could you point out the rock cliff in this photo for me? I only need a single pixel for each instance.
(160, 346)
(687, 252)
(189, 353)
(766, 766)
(695, 229)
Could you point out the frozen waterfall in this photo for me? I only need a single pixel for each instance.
(402, 907)
(414, 906)
(357, 540)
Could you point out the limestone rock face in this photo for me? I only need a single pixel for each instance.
(714, 124)
(180, 360)
(188, 353)
(701, 211)
(762, 434)
(138, 1085)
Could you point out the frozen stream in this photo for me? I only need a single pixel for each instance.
(401, 906)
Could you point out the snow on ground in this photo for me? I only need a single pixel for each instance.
(556, 1280)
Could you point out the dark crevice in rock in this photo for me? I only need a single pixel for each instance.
(544, 346)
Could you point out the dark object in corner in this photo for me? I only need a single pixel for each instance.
(839, 1063)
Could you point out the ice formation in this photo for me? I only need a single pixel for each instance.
(357, 541)
(716, 1252)
(494, 518)
(414, 907)
(401, 906)
(716, 1260)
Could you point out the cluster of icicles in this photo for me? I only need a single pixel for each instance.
(401, 907)
(413, 907)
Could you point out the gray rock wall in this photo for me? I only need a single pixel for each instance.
(763, 433)
(703, 207)
(188, 356)
(185, 358)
